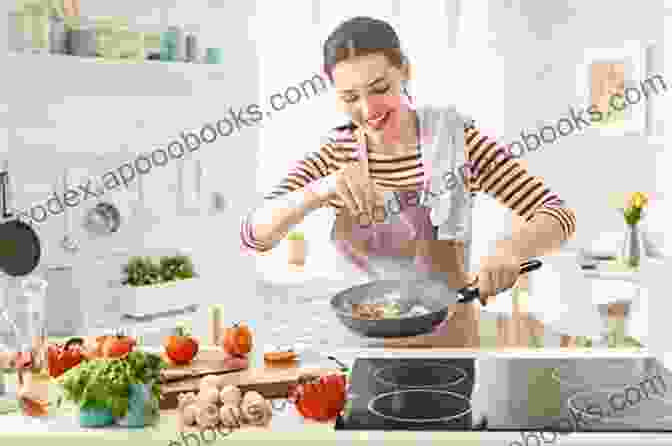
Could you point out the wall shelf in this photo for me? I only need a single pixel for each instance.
(80, 76)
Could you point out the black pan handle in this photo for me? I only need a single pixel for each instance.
(470, 293)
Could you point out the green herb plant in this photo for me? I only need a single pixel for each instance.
(143, 271)
(104, 383)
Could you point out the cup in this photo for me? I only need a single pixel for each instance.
(192, 52)
(214, 55)
(82, 42)
(168, 46)
(58, 36)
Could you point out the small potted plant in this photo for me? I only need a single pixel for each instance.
(296, 248)
(164, 281)
(124, 390)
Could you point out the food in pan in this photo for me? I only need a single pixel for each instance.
(385, 311)
(375, 311)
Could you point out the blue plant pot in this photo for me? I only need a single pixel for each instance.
(95, 417)
(143, 409)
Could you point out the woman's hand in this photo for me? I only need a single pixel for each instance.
(498, 272)
(353, 185)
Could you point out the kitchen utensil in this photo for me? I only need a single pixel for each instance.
(20, 248)
(433, 295)
(103, 219)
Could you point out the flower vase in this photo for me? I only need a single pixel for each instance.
(632, 249)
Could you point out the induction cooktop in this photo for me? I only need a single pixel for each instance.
(598, 394)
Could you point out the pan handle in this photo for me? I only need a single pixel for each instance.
(470, 293)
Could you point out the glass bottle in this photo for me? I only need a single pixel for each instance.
(34, 377)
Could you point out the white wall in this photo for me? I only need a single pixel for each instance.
(88, 118)
(542, 43)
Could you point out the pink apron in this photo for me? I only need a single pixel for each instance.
(414, 224)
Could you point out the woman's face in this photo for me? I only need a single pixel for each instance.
(369, 91)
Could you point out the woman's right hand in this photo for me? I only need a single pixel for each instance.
(354, 186)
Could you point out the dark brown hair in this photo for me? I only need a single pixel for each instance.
(360, 36)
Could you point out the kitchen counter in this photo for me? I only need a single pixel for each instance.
(288, 425)
(291, 315)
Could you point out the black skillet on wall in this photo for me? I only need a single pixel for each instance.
(20, 248)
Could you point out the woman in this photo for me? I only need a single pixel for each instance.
(380, 154)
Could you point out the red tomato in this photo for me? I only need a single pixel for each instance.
(181, 349)
(320, 399)
(60, 359)
(118, 346)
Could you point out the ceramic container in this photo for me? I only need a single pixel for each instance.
(82, 42)
(58, 36)
(192, 50)
(95, 417)
(214, 56)
(143, 409)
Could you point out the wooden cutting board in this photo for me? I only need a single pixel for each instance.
(271, 381)
(207, 362)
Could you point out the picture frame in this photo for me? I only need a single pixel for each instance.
(605, 72)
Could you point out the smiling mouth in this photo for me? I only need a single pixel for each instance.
(378, 122)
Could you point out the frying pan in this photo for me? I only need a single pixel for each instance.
(20, 248)
(434, 295)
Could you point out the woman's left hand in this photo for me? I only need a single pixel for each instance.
(498, 272)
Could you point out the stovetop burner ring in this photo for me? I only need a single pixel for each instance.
(464, 375)
(422, 420)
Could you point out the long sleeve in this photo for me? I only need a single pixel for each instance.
(312, 167)
(500, 176)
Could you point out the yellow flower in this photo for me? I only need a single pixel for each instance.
(639, 200)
